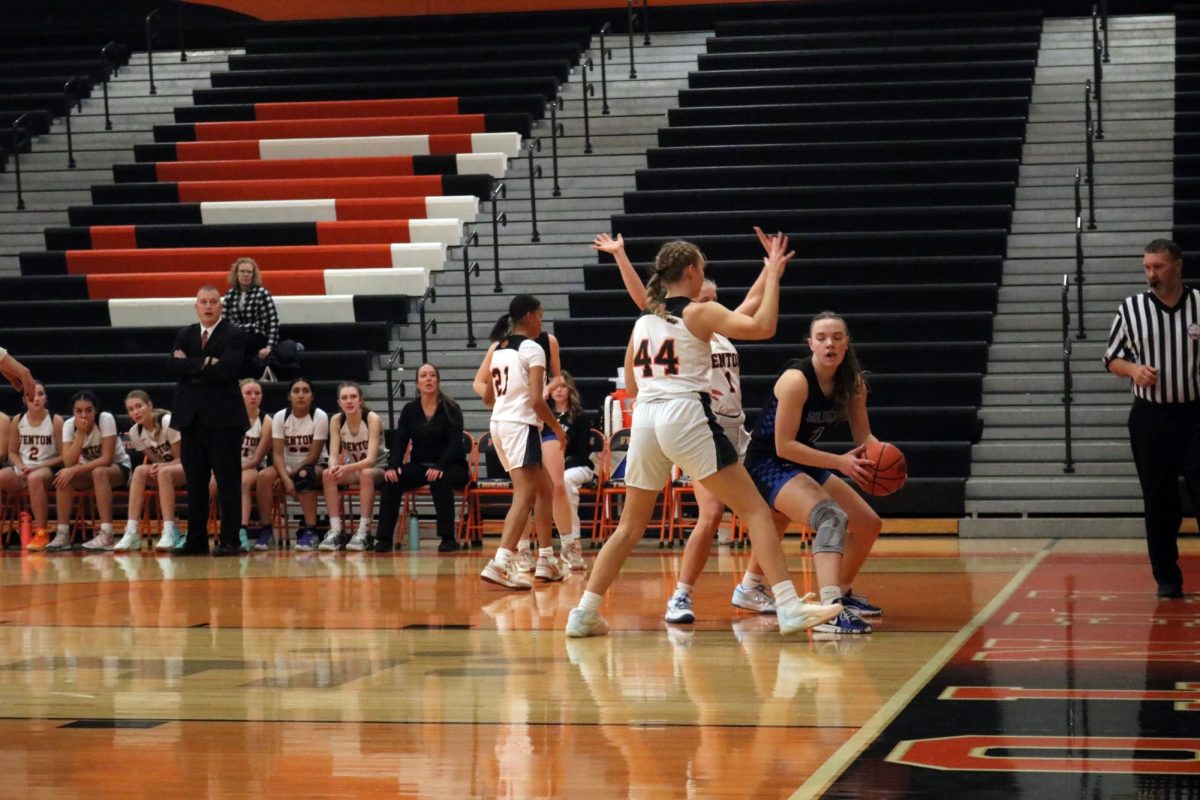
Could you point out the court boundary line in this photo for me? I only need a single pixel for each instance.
(853, 747)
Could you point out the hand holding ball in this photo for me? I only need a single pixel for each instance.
(890, 471)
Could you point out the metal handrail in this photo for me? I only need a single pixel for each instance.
(71, 97)
(1081, 333)
(1090, 153)
(589, 89)
(498, 219)
(179, 4)
(110, 63)
(534, 172)
(646, 22)
(1067, 398)
(629, 18)
(392, 365)
(1104, 26)
(605, 55)
(430, 296)
(21, 135)
(1097, 74)
(469, 267)
(556, 130)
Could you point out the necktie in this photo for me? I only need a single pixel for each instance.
(203, 339)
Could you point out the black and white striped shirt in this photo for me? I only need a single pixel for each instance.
(253, 309)
(1148, 333)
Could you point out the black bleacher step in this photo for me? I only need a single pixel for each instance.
(954, 108)
(531, 104)
(926, 423)
(838, 244)
(814, 299)
(820, 197)
(834, 76)
(916, 326)
(45, 84)
(385, 73)
(171, 236)
(928, 459)
(867, 55)
(10, 137)
(1187, 170)
(36, 122)
(768, 359)
(458, 38)
(844, 132)
(800, 17)
(50, 287)
(827, 175)
(54, 103)
(493, 123)
(59, 52)
(864, 91)
(547, 87)
(139, 368)
(889, 219)
(1187, 236)
(50, 313)
(557, 51)
(136, 214)
(316, 337)
(738, 275)
(94, 69)
(783, 39)
(841, 152)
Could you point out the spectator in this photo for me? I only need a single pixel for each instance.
(249, 305)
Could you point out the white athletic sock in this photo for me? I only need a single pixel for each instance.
(131, 526)
(504, 556)
(785, 592)
(830, 595)
(683, 588)
(335, 524)
(168, 525)
(750, 580)
(523, 546)
(62, 529)
(567, 539)
(106, 527)
(590, 601)
(546, 552)
(364, 526)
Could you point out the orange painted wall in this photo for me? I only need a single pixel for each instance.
(322, 9)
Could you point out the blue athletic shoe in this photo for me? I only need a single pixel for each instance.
(266, 538)
(846, 622)
(308, 540)
(860, 605)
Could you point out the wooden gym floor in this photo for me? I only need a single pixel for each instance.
(1012, 668)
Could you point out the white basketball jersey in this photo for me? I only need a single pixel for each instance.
(106, 425)
(726, 378)
(356, 444)
(37, 443)
(298, 434)
(668, 361)
(159, 442)
(250, 440)
(511, 362)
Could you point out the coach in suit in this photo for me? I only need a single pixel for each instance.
(210, 416)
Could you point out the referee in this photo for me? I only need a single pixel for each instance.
(1155, 342)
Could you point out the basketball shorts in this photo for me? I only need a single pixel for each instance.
(738, 436)
(678, 431)
(771, 474)
(518, 444)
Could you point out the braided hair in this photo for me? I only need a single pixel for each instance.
(669, 265)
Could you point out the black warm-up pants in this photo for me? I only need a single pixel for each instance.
(412, 476)
(1166, 443)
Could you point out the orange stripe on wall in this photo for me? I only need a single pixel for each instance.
(339, 109)
(114, 237)
(319, 9)
(361, 126)
(381, 208)
(284, 168)
(310, 188)
(364, 232)
(212, 259)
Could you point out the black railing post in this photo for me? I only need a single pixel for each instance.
(1104, 26)
(1069, 465)
(430, 296)
(1098, 75)
(605, 55)
(588, 89)
(394, 360)
(556, 130)
(179, 29)
(498, 219)
(1081, 332)
(646, 22)
(469, 267)
(150, 48)
(534, 172)
(68, 100)
(629, 15)
(1091, 166)
(1078, 196)
(108, 63)
(19, 134)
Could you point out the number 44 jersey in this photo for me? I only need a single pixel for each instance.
(668, 361)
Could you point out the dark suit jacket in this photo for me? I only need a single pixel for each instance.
(209, 394)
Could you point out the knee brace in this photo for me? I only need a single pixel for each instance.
(828, 522)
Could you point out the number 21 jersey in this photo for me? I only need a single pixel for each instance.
(668, 361)
(511, 361)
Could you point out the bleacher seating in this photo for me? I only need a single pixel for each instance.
(887, 146)
(1187, 136)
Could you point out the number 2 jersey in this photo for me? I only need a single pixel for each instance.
(511, 361)
(668, 360)
(817, 415)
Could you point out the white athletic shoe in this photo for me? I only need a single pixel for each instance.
(103, 540)
(358, 542)
(582, 623)
(523, 561)
(61, 541)
(331, 542)
(801, 614)
(131, 541)
(573, 555)
(548, 569)
(679, 609)
(758, 599)
(505, 576)
(171, 538)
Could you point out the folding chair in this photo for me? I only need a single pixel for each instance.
(613, 489)
(409, 508)
(496, 484)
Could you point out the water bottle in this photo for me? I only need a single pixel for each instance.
(414, 533)
(26, 529)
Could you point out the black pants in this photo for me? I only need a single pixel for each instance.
(252, 365)
(217, 451)
(1166, 442)
(412, 476)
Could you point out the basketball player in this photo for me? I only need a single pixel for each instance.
(668, 364)
(357, 457)
(298, 436)
(551, 503)
(511, 381)
(797, 479)
(256, 444)
(159, 443)
(34, 447)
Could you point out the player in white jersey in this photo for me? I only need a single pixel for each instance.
(511, 382)
(668, 364)
(256, 444)
(158, 442)
(298, 435)
(34, 447)
(357, 457)
(94, 459)
(726, 393)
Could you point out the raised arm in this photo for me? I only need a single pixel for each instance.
(704, 319)
(629, 276)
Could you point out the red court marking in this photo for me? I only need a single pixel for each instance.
(1186, 695)
(423, 106)
(970, 753)
(1101, 619)
(1054, 650)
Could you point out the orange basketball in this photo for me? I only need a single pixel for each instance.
(891, 469)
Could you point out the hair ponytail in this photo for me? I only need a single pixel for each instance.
(501, 329)
(520, 307)
(669, 265)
